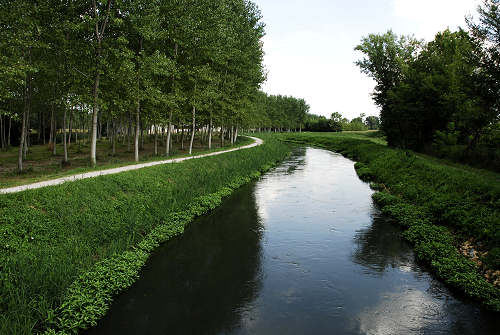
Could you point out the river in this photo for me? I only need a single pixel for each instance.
(303, 250)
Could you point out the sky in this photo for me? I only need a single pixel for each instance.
(309, 45)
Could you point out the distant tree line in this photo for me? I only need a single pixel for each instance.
(443, 96)
(337, 123)
(278, 113)
(121, 68)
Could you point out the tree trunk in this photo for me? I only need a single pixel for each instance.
(43, 127)
(156, 140)
(193, 129)
(222, 135)
(2, 131)
(54, 148)
(70, 127)
(95, 111)
(65, 143)
(8, 136)
(27, 140)
(113, 140)
(39, 135)
(210, 126)
(142, 137)
(182, 138)
(235, 134)
(129, 131)
(21, 145)
(137, 132)
(169, 134)
(23, 128)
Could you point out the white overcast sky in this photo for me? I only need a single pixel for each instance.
(309, 45)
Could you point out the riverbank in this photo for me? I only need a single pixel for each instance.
(66, 250)
(446, 210)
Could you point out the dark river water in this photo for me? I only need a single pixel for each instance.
(303, 250)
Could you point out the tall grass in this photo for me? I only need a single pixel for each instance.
(50, 238)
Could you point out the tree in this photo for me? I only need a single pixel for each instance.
(372, 122)
(386, 60)
(336, 122)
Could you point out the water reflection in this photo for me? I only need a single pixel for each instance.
(301, 251)
(380, 245)
(198, 283)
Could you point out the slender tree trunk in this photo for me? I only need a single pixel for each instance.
(235, 134)
(8, 135)
(2, 131)
(137, 132)
(169, 134)
(65, 143)
(222, 135)
(210, 126)
(39, 137)
(70, 126)
(156, 140)
(95, 111)
(129, 131)
(142, 137)
(113, 140)
(193, 129)
(27, 140)
(182, 137)
(43, 127)
(54, 148)
(21, 145)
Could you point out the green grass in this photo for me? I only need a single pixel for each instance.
(440, 204)
(41, 165)
(66, 250)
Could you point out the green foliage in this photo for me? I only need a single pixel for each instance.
(66, 250)
(279, 112)
(439, 206)
(422, 89)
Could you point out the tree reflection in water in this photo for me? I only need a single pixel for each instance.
(198, 282)
(380, 245)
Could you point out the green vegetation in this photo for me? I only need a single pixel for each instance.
(66, 250)
(278, 113)
(441, 97)
(45, 166)
(439, 205)
(129, 69)
(339, 123)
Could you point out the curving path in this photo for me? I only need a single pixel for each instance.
(75, 177)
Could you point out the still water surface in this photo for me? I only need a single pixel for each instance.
(301, 251)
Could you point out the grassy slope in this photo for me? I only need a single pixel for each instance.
(41, 165)
(440, 204)
(65, 250)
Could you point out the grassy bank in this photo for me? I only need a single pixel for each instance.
(444, 208)
(66, 250)
(41, 165)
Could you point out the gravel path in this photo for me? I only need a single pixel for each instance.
(58, 181)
